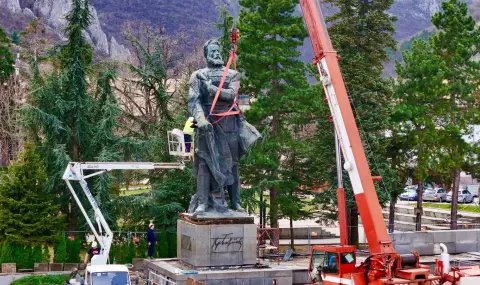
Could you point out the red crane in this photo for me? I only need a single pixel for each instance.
(337, 264)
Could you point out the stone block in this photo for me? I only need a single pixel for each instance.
(56, 267)
(220, 275)
(247, 274)
(278, 273)
(250, 244)
(444, 237)
(40, 267)
(70, 266)
(403, 249)
(267, 281)
(284, 280)
(424, 249)
(9, 267)
(451, 247)
(257, 281)
(422, 237)
(245, 281)
(462, 247)
(220, 282)
(300, 277)
(466, 236)
(226, 258)
(402, 238)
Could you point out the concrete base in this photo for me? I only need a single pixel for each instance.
(216, 245)
(285, 275)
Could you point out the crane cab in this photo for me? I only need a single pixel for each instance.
(331, 264)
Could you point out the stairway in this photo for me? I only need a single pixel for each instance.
(432, 219)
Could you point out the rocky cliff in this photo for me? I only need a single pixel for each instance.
(53, 12)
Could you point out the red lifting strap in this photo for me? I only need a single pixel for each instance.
(232, 57)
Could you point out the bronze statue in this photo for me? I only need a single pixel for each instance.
(220, 141)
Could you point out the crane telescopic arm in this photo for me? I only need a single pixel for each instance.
(75, 172)
(346, 130)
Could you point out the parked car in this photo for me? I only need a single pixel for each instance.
(473, 188)
(436, 195)
(410, 195)
(463, 196)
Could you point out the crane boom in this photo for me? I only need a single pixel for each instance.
(356, 164)
(75, 172)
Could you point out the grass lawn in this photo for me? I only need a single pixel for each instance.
(447, 206)
(41, 280)
(134, 192)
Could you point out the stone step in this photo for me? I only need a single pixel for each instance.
(409, 226)
(411, 218)
(436, 213)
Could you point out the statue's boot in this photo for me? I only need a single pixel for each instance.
(237, 207)
(234, 190)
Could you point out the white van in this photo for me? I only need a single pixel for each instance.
(473, 189)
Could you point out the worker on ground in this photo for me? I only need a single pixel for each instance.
(151, 240)
(94, 250)
(188, 134)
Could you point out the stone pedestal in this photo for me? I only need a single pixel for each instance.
(216, 242)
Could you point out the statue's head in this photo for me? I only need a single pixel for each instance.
(211, 50)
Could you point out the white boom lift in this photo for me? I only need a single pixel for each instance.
(99, 268)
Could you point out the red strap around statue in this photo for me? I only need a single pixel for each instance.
(233, 57)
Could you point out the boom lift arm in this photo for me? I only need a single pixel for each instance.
(346, 130)
(75, 172)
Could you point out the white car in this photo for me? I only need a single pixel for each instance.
(463, 196)
(104, 275)
(436, 195)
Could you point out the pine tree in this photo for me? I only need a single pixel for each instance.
(26, 209)
(80, 125)
(60, 254)
(7, 254)
(447, 93)
(361, 31)
(45, 253)
(15, 38)
(131, 252)
(37, 255)
(6, 57)
(172, 245)
(73, 250)
(142, 249)
(268, 52)
(224, 26)
(163, 245)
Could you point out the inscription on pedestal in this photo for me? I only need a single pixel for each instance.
(226, 243)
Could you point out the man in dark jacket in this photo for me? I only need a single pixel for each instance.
(151, 240)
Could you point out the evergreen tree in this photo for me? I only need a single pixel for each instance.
(163, 245)
(113, 253)
(6, 57)
(224, 26)
(73, 250)
(447, 93)
(361, 31)
(60, 253)
(26, 209)
(142, 248)
(37, 255)
(15, 38)
(131, 252)
(172, 245)
(80, 125)
(45, 253)
(7, 254)
(268, 52)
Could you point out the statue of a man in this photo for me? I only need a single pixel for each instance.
(220, 141)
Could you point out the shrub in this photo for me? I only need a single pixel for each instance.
(41, 280)
(163, 245)
(60, 254)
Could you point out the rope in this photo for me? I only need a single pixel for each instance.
(234, 35)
